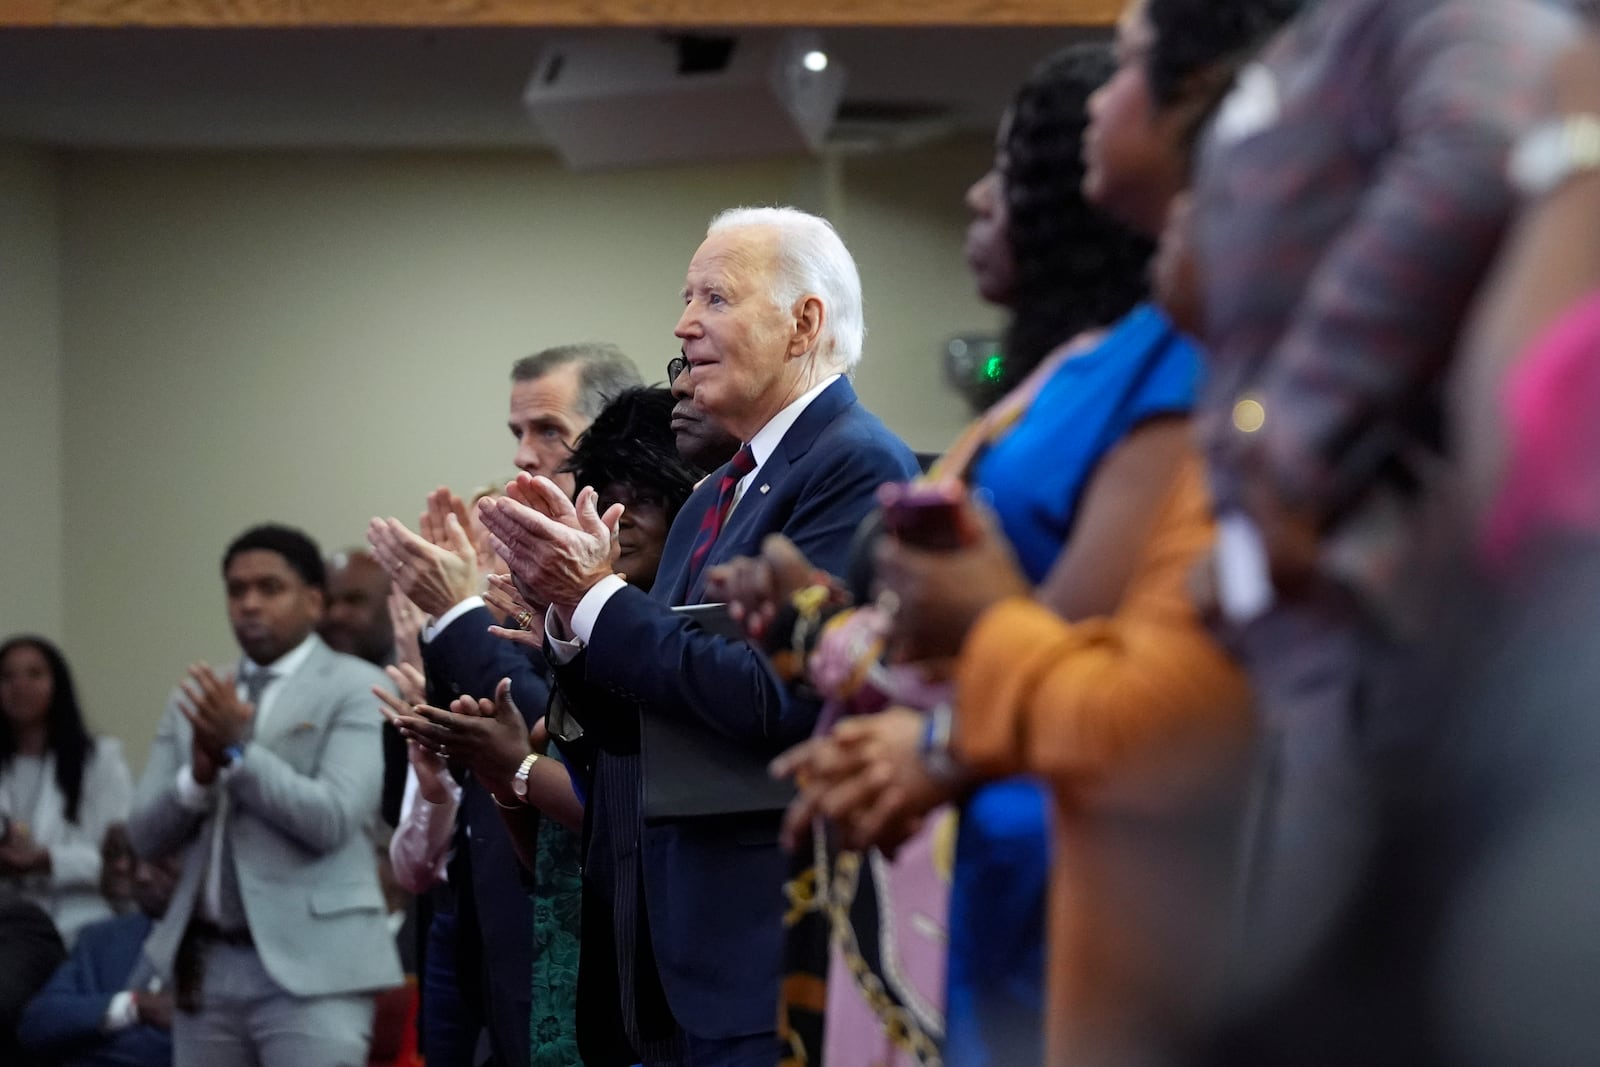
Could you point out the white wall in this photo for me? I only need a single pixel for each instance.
(31, 470)
(315, 339)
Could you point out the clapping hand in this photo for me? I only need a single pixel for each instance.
(220, 719)
(431, 768)
(407, 621)
(557, 550)
(434, 575)
(526, 624)
(488, 737)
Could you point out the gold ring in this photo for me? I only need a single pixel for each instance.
(525, 619)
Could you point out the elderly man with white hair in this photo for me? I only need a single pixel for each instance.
(683, 904)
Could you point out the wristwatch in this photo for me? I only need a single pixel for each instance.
(1552, 152)
(519, 781)
(935, 748)
(232, 754)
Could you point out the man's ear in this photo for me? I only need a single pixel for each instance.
(809, 315)
(319, 601)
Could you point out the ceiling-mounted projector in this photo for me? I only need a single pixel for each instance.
(619, 100)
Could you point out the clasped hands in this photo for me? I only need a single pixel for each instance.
(487, 737)
(437, 569)
(867, 776)
(219, 719)
(931, 596)
(557, 549)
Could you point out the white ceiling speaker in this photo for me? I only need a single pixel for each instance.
(625, 100)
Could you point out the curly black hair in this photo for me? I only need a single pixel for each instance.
(1076, 267)
(65, 733)
(1195, 39)
(630, 444)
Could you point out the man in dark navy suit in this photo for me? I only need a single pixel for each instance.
(482, 923)
(771, 328)
(104, 1007)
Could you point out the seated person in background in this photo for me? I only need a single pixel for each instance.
(52, 819)
(30, 949)
(117, 869)
(105, 1006)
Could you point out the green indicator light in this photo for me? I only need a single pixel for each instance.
(993, 367)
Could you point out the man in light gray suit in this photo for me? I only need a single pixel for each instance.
(276, 936)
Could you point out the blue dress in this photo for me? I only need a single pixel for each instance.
(1035, 476)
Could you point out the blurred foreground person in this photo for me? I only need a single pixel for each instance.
(1350, 196)
(1474, 940)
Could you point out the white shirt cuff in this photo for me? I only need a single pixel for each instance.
(191, 794)
(560, 646)
(587, 613)
(121, 1013)
(437, 626)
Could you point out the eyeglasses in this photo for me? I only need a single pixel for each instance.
(676, 366)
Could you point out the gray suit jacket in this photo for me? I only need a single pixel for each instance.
(300, 801)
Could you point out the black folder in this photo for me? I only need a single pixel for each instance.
(693, 772)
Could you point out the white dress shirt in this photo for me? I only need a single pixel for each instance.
(197, 797)
(419, 851)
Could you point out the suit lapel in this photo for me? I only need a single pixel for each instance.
(672, 576)
(296, 703)
(752, 517)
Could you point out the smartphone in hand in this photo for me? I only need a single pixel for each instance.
(924, 516)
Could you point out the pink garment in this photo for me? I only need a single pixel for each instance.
(889, 919)
(419, 851)
(1552, 411)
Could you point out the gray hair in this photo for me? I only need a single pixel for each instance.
(604, 372)
(812, 261)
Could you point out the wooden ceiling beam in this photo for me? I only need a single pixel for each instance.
(565, 13)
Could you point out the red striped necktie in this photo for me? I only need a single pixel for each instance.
(742, 464)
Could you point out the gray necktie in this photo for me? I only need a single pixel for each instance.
(230, 907)
(255, 683)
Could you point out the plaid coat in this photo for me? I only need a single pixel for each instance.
(1349, 199)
